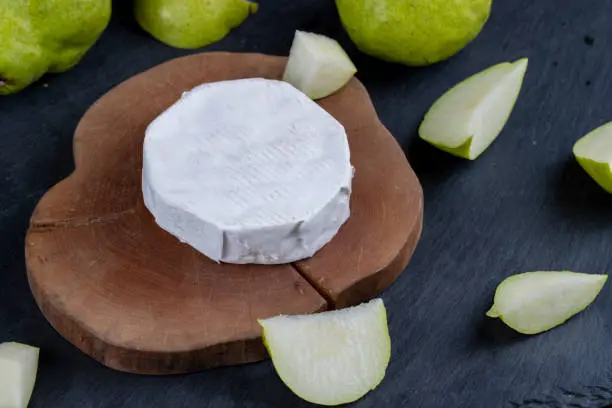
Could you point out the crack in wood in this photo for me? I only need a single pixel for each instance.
(331, 304)
(50, 224)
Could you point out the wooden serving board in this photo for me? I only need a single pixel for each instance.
(134, 298)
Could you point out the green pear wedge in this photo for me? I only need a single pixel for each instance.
(18, 368)
(317, 66)
(535, 302)
(594, 153)
(471, 115)
(330, 358)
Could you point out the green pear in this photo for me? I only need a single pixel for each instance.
(330, 358)
(534, 302)
(413, 32)
(41, 36)
(191, 23)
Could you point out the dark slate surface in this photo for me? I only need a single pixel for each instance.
(523, 205)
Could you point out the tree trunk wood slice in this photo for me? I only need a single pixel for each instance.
(134, 298)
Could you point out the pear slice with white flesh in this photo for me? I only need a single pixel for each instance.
(594, 153)
(469, 117)
(535, 302)
(18, 368)
(330, 358)
(317, 65)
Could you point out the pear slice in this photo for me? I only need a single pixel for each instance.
(594, 153)
(317, 66)
(534, 302)
(18, 367)
(330, 358)
(469, 117)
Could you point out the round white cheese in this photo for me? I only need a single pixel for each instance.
(248, 171)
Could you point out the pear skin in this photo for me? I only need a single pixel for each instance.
(46, 36)
(191, 23)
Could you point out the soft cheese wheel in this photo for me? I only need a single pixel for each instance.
(248, 171)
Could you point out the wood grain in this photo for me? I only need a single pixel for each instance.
(134, 298)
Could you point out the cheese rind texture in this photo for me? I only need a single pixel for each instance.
(248, 171)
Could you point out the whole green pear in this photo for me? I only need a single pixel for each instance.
(413, 32)
(191, 23)
(40, 36)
